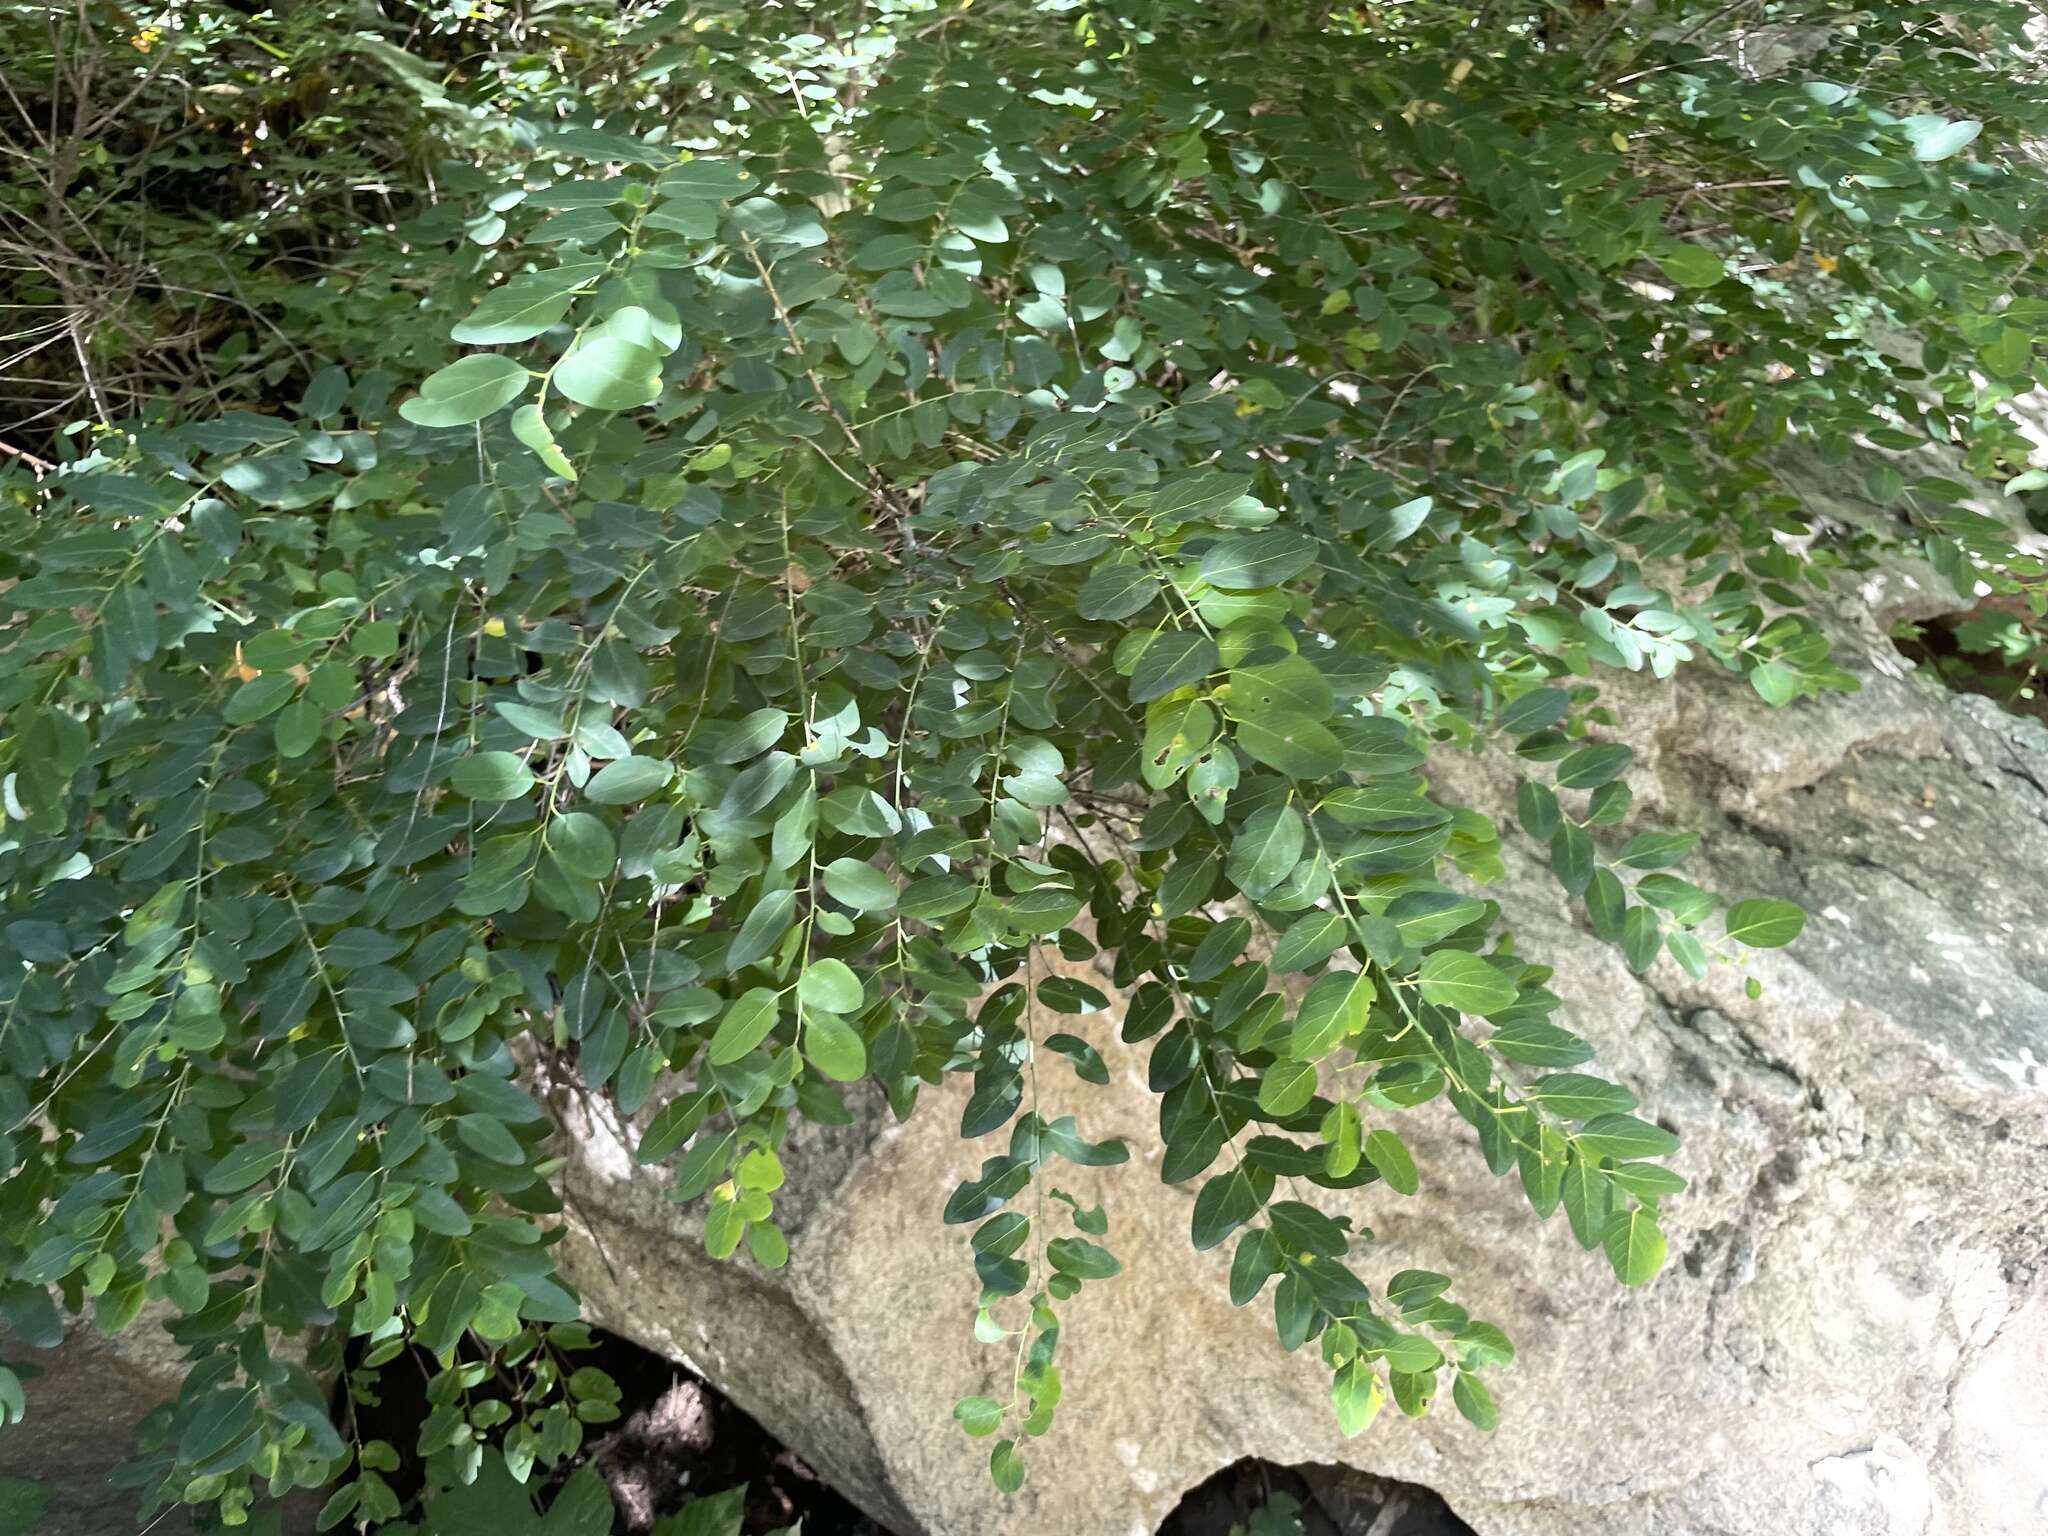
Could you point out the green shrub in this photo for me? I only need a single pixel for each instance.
(879, 493)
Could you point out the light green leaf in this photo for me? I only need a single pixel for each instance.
(1475, 1401)
(1286, 1088)
(466, 391)
(1117, 591)
(1774, 682)
(1590, 767)
(608, 374)
(519, 311)
(258, 697)
(297, 727)
(1397, 523)
(628, 779)
(766, 922)
(1309, 942)
(583, 845)
(492, 776)
(531, 428)
(1576, 1096)
(2009, 353)
(1337, 1004)
(1296, 745)
(1082, 1259)
(1452, 978)
(831, 985)
(1006, 1467)
(834, 1047)
(979, 1416)
(1634, 1244)
(1691, 266)
(1937, 138)
(859, 885)
(1624, 1136)
(747, 1021)
(534, 723)
(1765, 924)
(1385, 1150)
(1357, 1393)
(704, 176)
(1251, 561)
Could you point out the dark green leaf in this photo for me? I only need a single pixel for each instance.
(1172, 660)
(1258, 560)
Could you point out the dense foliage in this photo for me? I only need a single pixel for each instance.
(819, 506)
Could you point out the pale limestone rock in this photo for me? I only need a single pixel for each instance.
(1848, 1339)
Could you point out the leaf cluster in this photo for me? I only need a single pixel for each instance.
(950, 501)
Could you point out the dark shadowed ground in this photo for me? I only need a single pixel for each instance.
(678, 1439)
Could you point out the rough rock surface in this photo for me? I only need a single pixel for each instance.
(1848, 1338)
(83, 1409)
(82, 1413)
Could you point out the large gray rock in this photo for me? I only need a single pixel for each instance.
(86, 1398)
(82, 1412)
(1850, 1334)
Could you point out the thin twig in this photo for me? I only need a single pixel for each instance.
(42, 467)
